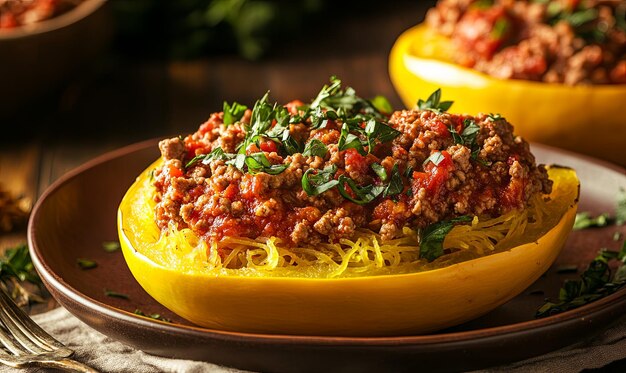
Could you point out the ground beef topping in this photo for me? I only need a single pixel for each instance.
(316, 173)
(559, 41)
(16, 13)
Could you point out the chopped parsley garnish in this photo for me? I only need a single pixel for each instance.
(154, 316)
(318, 183)
(364, 194)
(435, 158)
(86, 263)
(596, 282)
(258, 162)
(585, 20)
(335, 103)
(378, 131)
(584, 220)
(111, 246)
(380, 171)
(233, 113)
(395, 185)
(315, 148)
(431, 237)
(500, 28)
(253, 163)
(315, 182)
(216, 154)
(16, 267)
(115, 294)
(18, 264)
(263, 114)
(468, 138)
(289, 144)
(382, 104)
(494, 117)
(363, 127)
(348, 140)
(433, 103)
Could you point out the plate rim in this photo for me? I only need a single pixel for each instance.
(52, 279)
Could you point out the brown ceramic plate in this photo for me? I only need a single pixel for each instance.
(77, 214)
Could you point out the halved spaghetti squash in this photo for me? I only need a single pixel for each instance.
(551, 113)
(335, 218)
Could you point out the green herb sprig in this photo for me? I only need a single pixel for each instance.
(434, 103)
(154, 316)
(586, 220)
(86, 263)
(317, 182)
(233, 113)
(595, 283)
(17, 264)
(253, 163)
(432, 237)
(115, 294)
(315, 148)
(364, 194)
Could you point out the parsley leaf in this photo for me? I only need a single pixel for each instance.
(215, 154)
(376, 130)
(594, 283)
(435, 157)
(364, 194)
(258, 162)
(289, 144)
(154, 316)
(585, 220)
(315, 148)
(238, 161)
(115, 294)
(468, 137)
(470, 131)
(86, 263)
(263, 114)
(382, 104)
(380, 171)
(395, 185)
(432, 237)
(348, 140)
(18, 264)
(233, 113)
(111, 246)
(500, 28)
(494, 117)
(334, 103)
(433, 103)
(321, 181)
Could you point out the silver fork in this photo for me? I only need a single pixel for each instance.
(27, 344)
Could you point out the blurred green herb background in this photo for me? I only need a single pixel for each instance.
(184, 29)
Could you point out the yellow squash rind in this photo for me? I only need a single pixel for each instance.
(362, 306)
(585, 119)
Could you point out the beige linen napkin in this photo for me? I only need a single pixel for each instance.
(107, 355)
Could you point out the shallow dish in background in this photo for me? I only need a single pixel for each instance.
(77, 214)
(37, 57)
